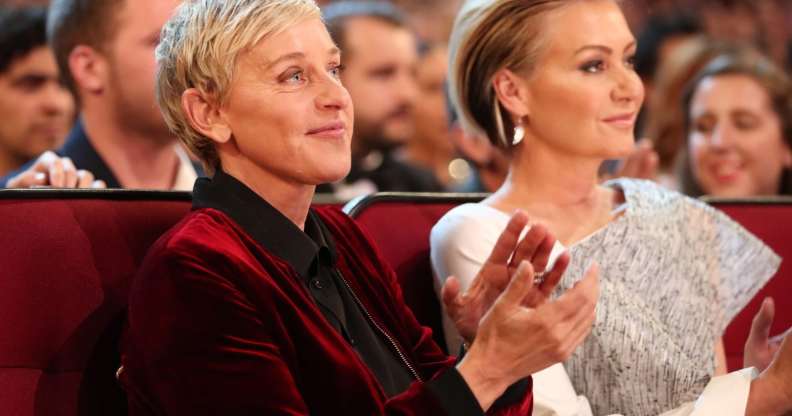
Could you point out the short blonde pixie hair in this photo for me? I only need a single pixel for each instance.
(490, 35)
(199, 47)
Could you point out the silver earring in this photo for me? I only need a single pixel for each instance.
(519, 134)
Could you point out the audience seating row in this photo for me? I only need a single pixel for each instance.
(69, 256)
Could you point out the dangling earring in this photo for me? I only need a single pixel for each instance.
(519, 134)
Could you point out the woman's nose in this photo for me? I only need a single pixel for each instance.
(721, 138)
(629, 87)
(333, 95)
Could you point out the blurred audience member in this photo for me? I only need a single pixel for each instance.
(775, 17)
(105, 50)
(488, 165)
(665, 122)
(733, 20)
(380, 59)
(658, 40)
(35, 110)
(431, 145)
(739, 123)
(431, 20)
(24, 2)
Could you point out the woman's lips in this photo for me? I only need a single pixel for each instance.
(726, 173)
(334, 130)
(622, 121)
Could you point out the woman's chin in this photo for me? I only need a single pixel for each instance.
(620, 150)
(331, 175)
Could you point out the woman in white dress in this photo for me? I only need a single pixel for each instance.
(553, 83)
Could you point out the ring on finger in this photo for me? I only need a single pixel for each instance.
(539, 278)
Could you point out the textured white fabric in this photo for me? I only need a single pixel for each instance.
(673, 273)
(725, 395)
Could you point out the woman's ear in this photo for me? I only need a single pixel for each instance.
(205, 116)
(512, 92)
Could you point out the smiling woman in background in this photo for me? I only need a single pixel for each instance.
(739, 122)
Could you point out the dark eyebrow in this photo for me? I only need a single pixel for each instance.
(603, 48)
(297, 55)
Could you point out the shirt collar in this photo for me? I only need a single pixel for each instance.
(304, 251)
(78, 147)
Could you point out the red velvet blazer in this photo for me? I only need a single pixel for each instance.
(218, 325)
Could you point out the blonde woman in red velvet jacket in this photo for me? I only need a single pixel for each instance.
(256, 304)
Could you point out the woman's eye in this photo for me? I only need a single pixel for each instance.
(703, 126)
(631, 62)
(593, 67)
(336, 71)
(745, 123)
(295, 77)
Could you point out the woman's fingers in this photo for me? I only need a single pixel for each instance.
(520, 287)
(27, 179)
(70, 177)
(507, 241)
(55, 173)
(450, 295)
(762, 321)
(85, 179)
(552, 277)
(534, 247)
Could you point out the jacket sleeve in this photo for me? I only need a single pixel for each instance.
(195, 346)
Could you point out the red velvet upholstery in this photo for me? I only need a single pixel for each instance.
(67, 261)
(68, 257)
(400, 224)
(771, 221)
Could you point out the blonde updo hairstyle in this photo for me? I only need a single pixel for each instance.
(199, 47)
(488, 36)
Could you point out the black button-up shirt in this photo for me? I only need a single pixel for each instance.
(312, 254)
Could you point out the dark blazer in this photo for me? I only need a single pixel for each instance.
(218, 325)
(79, 149)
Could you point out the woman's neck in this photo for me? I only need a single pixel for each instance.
(557, 189)
(292, 199)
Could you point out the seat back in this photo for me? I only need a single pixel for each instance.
(67, 262)
(770, 219)
(400, 224)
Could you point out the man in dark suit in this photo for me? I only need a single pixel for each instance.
(380, 59)
(105, 50)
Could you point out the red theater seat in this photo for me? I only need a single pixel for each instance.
(400, 224)
(67, 261)
(771, 220)
(69, 256)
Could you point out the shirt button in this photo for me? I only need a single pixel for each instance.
(317, 284)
